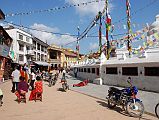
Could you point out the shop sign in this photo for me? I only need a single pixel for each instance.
(4, 50)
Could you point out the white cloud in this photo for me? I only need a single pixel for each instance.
(91, 8)
(93, 46)
(49, 37)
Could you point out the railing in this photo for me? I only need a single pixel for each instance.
(54, 61)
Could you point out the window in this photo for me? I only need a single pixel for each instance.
(111, 70)
(21, 47)
(21, 57)
(93, 70)
(133, 71)
(151, 71)
(88, 70)
(27, 47)
(53, 54)
(34, 45)
(27, 39)
(38, 57)
(20, 37)
(84, 69)
(38, 46)
(42, 57)
(45, 58)
(42, 48)
(81, 69)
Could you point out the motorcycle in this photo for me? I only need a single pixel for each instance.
(65, 86)
(127, 99)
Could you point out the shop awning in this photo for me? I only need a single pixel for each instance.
(42, 63)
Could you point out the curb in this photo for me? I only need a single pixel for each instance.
(145, 112)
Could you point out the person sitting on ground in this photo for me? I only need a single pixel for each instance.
(1, 97)
(83, 83)
(22, 87)
(38, 88)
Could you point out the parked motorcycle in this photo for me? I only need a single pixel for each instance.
(127, 99)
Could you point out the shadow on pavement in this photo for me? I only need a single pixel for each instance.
(60, 89)
(117, 109)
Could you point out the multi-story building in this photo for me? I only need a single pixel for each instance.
(40, 52)
(54, 56)
(69, 57)
(22, 45)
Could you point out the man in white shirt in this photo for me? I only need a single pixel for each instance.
(15, 79)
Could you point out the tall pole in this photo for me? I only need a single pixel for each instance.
(107, 31)
(129, 26)
(77, 46)
(100, 33)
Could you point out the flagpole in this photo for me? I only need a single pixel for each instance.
(77, 46)
(129, 26)
(107, 31)
(100, 33)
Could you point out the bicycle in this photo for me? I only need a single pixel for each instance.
(157, 110)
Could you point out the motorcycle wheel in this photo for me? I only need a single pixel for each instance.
(110, 103)
(135, 110)
(157, 110)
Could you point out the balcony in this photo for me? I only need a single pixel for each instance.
(30, 52)
(54, 61)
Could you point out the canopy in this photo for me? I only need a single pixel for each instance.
(42, 63)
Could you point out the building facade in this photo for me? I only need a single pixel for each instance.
(5, 60)
(21, 50)
(54, 56)
(40, 52)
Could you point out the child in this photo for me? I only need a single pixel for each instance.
(1, 97)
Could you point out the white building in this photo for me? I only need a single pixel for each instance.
(22, 46)
(40, 52)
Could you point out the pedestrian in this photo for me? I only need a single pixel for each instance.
(15, 79)
(1, 97)
(64, 74)
(33, 78)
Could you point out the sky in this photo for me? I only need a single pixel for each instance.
(67, 20)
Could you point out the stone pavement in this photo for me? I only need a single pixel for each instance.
(149, 99)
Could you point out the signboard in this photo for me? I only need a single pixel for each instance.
(4, 50)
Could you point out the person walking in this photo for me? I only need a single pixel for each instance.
(15, 79)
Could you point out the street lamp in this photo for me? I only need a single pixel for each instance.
(2, 16)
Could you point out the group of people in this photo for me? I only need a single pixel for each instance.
(22, 80)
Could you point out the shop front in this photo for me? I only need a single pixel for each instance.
(5, 43)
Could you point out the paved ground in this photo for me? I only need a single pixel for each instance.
(58, 105)
(149, 99)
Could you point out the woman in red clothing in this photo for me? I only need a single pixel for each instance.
(84, 83)
(38, 88)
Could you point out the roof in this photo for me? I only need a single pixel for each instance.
(70, 53)
(54, 47)
(40, 41)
